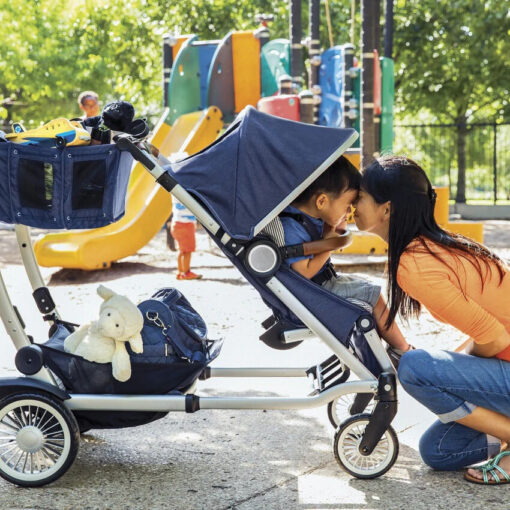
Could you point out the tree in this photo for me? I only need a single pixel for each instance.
(55, 48)
(452, 59)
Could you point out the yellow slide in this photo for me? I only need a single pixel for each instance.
(147, 204)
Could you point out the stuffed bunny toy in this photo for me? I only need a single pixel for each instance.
(104, 340)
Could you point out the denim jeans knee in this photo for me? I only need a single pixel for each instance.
(413, 365)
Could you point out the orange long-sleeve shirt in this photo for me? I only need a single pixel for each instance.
(481, 314)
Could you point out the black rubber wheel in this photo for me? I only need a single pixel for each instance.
(39, 439)
(29, 359)
(61, 142)
(346, 443)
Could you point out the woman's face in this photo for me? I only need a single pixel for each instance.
(371, 216)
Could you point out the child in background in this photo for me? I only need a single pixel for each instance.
(317, 212)
(183, 231)
(88, 102)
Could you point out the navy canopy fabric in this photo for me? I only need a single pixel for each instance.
(258, 167)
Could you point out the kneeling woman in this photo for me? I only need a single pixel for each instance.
(461, 283)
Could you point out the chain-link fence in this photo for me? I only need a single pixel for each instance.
(487, 157)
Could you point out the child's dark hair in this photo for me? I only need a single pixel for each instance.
(340, 176)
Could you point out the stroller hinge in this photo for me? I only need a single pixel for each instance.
(192, 403)
(43, 300)
(383, 414)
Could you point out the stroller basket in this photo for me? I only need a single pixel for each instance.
(71, 188)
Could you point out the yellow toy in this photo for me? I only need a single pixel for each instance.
(58, 132)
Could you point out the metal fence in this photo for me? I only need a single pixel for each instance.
(487, 156)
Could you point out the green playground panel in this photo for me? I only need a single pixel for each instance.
(184, 85)
(387, 100)
(274, 62)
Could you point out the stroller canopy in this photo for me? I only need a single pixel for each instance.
(258, 167)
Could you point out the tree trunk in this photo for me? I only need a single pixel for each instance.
(461, 160)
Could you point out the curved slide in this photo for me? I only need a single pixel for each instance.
(148, 205)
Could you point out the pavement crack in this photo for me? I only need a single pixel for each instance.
(265, 491)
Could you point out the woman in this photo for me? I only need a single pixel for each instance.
(461, 283)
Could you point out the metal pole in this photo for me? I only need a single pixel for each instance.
(368, 44)
(314, 53)
(296, 48)
(388, 29)
(376, 24)
(168, 42)
(495, 162)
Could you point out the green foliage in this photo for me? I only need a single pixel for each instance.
(452, 58)
(54, 49)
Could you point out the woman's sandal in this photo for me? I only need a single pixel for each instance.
(491, 468)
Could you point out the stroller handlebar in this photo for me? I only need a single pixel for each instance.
(139, 153)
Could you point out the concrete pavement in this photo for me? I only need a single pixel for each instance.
(217, 460)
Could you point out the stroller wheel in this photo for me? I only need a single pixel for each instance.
(346, 448)
(39, 439)
(340, 408)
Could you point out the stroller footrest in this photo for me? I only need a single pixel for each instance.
(327, 374)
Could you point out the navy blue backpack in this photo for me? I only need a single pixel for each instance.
(175, 352)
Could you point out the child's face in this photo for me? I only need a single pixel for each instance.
(333, 210)
(90, 106)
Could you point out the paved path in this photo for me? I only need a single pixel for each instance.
(216, 460)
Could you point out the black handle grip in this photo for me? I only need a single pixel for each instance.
(124, 143)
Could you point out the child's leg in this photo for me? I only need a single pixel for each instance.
(392, 335)
(186, 262)
(180, 262)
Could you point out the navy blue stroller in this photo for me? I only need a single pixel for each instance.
(236, 187)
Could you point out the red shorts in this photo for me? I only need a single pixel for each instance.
(184, 234)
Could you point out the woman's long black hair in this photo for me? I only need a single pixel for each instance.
(403, 182)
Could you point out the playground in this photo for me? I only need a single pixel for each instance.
(248, 122)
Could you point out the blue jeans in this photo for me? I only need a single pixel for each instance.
(451, 385)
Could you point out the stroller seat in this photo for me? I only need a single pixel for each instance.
(281, 333)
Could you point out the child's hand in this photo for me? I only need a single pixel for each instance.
(328, 231)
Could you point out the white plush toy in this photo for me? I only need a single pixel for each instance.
(103, 341)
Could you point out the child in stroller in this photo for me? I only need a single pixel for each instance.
(315, 214)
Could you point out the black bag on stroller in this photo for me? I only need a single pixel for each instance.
(176, 351)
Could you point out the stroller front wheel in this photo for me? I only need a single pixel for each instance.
(39, 439)
(346, 448)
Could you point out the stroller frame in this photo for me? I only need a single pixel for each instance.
(376, 426)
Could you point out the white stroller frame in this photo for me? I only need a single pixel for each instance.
(368, 462)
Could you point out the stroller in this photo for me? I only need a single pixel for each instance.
(236, 187)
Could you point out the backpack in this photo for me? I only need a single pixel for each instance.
(174, 331)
